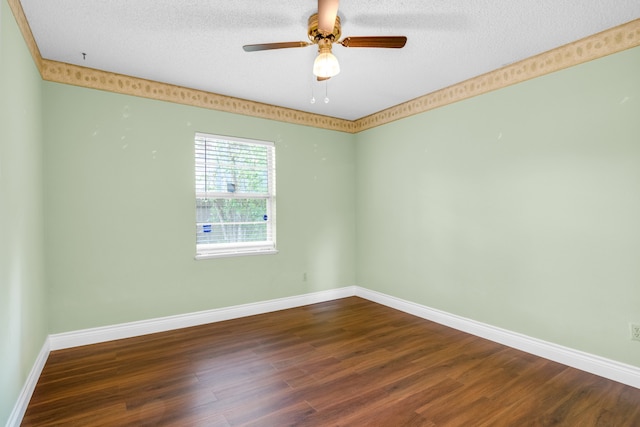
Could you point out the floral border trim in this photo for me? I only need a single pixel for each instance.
(607, 42)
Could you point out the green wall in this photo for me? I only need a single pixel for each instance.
(120, 210)
(23, 328)
(519, 208)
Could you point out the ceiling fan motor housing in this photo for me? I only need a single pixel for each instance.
(315, 35)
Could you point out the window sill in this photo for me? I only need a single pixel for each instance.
(199, 257)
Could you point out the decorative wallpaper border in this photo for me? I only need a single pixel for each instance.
(605, 43)
(61, 72)
(596, 46)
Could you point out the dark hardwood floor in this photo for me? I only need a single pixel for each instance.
(347, 362)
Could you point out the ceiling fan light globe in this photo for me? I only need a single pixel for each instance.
(326, 65)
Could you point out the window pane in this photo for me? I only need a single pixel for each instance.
(227, 166)
(231, 220)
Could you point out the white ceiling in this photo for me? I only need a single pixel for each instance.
(198, 43)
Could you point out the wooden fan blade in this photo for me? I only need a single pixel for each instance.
(321, 79)
(327, 12)
(269, 46)
(394, 42)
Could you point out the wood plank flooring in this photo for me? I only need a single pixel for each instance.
(348, 362)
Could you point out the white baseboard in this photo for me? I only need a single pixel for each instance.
(19, 409)
(143, 327)
(597, 365)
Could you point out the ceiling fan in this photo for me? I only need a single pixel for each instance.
(324, 31)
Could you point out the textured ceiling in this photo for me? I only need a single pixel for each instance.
(198, 44)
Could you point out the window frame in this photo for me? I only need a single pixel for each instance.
(219, 250)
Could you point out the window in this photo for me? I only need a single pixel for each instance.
(235, 196)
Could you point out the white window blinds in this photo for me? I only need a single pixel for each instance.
(235, 196)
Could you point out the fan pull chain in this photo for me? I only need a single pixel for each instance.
(326, 93)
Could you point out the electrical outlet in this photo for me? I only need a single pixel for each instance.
(635, 331)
